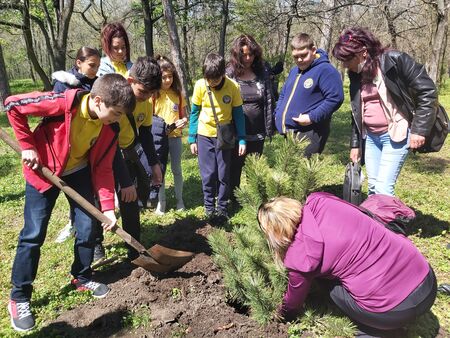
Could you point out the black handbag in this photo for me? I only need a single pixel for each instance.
(226, 133)
(435, 140)
(352, 183)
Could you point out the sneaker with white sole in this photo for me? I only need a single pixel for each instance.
(21, 317)
(160, 208)
(66, 232)
(98, 290)
(180, 206)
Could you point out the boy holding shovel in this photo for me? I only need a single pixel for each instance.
(77, 140)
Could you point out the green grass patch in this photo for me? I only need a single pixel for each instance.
(424, 184)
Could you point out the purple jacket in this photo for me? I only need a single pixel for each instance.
(337, 241)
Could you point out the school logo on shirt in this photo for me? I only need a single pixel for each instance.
(308, 83)
(92, 142)
(226, 99)
(140, 117)
(175, 107)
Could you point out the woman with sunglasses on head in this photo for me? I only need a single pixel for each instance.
(375, 276)
(248, 69)
(393, 101)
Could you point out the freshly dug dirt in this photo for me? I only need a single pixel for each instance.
(190, 302)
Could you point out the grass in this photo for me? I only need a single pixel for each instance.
(424, 184)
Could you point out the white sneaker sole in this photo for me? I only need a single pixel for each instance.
(14, 326)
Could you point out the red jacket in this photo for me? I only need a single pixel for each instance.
(51, 139)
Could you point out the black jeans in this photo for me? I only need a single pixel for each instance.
(317, 135)
(416, 304)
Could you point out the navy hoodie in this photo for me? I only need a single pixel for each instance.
(71, 79)
(318, 93)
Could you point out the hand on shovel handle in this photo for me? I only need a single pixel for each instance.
(110, 226)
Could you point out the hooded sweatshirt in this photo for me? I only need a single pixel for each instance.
(70, 80)
(316, 91)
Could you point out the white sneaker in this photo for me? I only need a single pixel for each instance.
(66, 232)
(160, 208)
(180, 206)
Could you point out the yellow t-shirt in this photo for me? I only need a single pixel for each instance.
(120, 68)
(142, 116)
(167, 106)
(84, 132)
(225, 99)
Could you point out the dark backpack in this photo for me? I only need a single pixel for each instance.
(352, 183)
(389, 211)
(435, 140)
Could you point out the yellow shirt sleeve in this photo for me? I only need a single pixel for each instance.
(199, 92)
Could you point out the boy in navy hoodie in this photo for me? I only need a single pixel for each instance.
(311, 94)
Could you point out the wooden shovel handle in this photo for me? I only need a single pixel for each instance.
(55, 180)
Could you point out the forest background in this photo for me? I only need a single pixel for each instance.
(38, 37)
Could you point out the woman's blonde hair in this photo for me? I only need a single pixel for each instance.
(279, 219)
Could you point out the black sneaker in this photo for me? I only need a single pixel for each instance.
(99, 290)
(222, 216)
(99, 253)
(21, 317)
(210, 214)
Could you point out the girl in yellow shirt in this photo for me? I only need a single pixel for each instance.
(171, 107)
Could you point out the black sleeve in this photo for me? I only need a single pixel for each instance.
(121, 174)
(146, 139)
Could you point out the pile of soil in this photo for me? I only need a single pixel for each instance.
(190, 302)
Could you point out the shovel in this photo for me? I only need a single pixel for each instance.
(156, 259)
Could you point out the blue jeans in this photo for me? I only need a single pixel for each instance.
(37, 211)
(384, 160)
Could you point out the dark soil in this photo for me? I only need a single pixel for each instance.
(190, 302)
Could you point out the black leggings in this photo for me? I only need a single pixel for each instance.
(416, 304)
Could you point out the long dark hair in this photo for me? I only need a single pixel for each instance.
(85, 52)
(355, 40)
(114, 30)
(235, 64)
(167, 66)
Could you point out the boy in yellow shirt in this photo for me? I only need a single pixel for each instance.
(77, 140)
(214, 163)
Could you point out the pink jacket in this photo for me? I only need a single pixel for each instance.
(335, 240)
(51, 139)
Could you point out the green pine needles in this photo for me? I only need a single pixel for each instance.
(250, 274)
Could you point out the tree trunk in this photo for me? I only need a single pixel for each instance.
(434, 65)
(29, 46)
(4, 83)
(184, 30)
(223, 29)
(175, 45)
(147, 8)
(327, 25)
(390, 24)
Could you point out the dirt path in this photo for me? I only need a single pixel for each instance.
(187, 303)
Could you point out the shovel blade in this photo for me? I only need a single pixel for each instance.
(151, 265)
(167, 256)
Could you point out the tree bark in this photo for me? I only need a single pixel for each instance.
(147, 8)
(223, 29)
(4, 83)
(439, 41)
(327, 25)
(29, 46)
(175, 47)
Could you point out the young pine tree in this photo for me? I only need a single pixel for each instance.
(250, 274)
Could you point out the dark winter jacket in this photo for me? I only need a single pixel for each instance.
(410, 87)
(316, 91)
(269, 99)
(161, 140)
(70, 80)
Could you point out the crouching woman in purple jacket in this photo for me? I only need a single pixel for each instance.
(380, 279)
